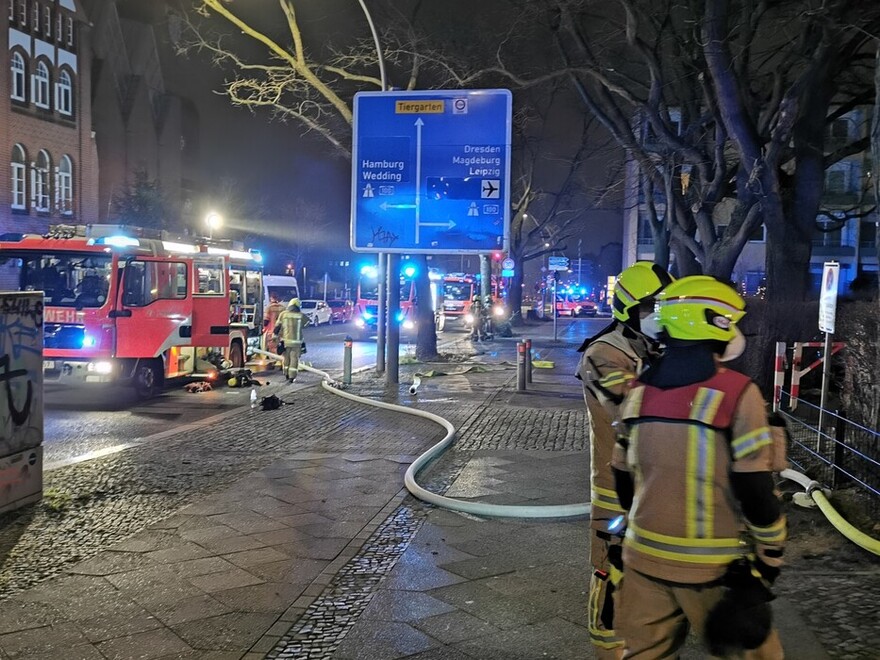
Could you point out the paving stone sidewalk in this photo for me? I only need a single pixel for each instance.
(313, 550)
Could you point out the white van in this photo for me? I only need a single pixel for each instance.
(283, 287)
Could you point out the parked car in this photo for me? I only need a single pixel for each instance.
(318, 311)
(342, 310)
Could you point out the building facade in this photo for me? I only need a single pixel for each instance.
(50, 172)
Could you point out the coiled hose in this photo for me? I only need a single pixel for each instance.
(451, 503)
(814, 490)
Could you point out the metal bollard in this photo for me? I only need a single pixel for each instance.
(346, 360)
(528, 360)
(520, 366)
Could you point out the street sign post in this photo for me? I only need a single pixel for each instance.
(827, 317)
(557, 263)
(431, 171)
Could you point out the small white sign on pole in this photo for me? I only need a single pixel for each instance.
(828, 296)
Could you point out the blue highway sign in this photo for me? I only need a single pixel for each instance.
(431, 171)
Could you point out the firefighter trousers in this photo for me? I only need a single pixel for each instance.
(600, 606)
(290, 359)
(654, 617)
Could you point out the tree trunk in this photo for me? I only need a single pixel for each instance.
(875, 146)
(426, 339)
(788, 263)
(515, 293)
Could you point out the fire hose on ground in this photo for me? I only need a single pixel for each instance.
(813, 489)
(463, 506)
(815, 493)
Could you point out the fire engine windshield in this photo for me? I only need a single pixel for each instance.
(67, 279)
(453, 291)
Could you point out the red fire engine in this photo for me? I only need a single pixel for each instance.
(366, 311)
(458, 294)
(135, 306)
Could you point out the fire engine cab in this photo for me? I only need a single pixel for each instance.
(128, 305)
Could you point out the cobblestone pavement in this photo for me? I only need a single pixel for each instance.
(285, 533)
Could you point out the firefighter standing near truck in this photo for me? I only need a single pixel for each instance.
(611, 360)
(289, 332)
(693, 465)
(270, 318)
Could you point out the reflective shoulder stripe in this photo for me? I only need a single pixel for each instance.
(690, 551)
(705, 406)
(633, 403)
(605, 498)
(775, 533)
(751, 442)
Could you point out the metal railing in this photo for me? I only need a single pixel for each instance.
(842, 454)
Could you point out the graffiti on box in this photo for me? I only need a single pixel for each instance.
(21, 371)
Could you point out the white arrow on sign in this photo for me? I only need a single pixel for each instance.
(385, 206)
(419, 124)
(449, 224)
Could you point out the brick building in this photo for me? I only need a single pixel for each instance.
(50, 169)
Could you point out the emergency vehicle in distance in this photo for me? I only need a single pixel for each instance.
(457, 297)
(366, 309)
(136, 306)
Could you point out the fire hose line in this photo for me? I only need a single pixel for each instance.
(814, 490)
(451, 503)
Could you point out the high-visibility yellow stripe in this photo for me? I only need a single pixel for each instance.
(690, 483)
(613, 378)
(678, 540)
(719, 558)
(700, 482)
(751, 442)
(605, 498)
(706, 404)
(775, 533)
(707, 509)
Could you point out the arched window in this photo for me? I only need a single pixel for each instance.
(41, 85)
(64, 195)
(40, 181)
(64, 93)
(18, 165)
(19, 76)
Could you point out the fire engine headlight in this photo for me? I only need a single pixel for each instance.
(409, 325)
(360, 323)
(498, 310)
(103, 368)
(89, 341)
(469, 318)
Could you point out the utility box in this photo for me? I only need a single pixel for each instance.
(21, 399)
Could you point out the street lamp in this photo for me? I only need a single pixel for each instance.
(214, 221)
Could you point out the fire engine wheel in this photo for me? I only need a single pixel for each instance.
(236, 356)
(147, 379)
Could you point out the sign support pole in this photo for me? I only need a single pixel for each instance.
(826, 376)
(380, 321)
(392, 355)
(553, 304)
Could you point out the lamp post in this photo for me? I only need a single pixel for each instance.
(214, 221)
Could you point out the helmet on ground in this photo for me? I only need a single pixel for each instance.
(294, 302)
(636, 284)
(699, 308)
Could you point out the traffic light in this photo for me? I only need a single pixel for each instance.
(497, 256)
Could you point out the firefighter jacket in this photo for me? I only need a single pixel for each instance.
(681, 444)
(289, 326)
(610, 363)
(271, 316)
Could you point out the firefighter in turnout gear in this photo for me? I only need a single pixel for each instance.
(693, 467)
(611, 360)
(270, 318)
(289, 332)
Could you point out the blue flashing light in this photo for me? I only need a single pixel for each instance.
(400, 316)
(258, 256)
(369, 271)
(88, 341)
(367, 316)
(409, 271)
(118, 241)
(583, 290)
